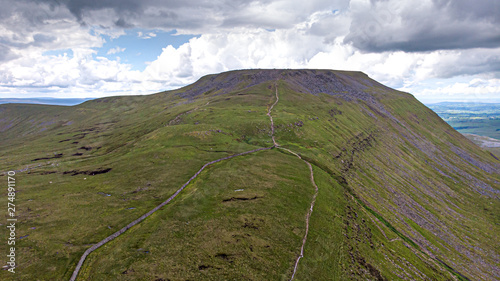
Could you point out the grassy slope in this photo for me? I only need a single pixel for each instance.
(409, 188)
(145, 170)
(397, 174)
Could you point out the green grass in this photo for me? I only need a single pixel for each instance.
(236, 239)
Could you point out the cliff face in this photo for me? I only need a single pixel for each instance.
(401, 194)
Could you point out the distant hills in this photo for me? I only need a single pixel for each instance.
(51, 101)
(401, 194)
(454, 103)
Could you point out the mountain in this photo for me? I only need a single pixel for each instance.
(249, 175)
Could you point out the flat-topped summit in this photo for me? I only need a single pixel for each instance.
(348, 84)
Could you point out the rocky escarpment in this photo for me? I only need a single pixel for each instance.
(305, 80)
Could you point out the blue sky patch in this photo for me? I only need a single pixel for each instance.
(67, 52)
(139, 46)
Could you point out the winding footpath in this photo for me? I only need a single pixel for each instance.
(309, 212)
(271, 117)
(308, 216)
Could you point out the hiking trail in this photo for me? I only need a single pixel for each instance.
(309, 212)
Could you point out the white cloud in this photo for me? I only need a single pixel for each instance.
(462, 89)
(35, 27)
(78, 76)
(147, 35)
(115, 50)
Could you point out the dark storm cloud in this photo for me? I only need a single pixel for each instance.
(472, 61)
(419, 26)
(479, 9)
(193, 14)
(122, 7)
(152, 13)
(190, 16)
(121, 22)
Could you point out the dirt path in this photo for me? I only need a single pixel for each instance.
(308, 216)
(177, 118)
(309, 212)
(140, 219)
(271, 117)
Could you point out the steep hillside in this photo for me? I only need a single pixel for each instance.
(401, 195)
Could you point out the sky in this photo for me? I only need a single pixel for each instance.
(437, 50)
